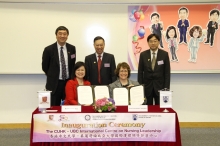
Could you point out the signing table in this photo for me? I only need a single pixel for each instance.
(121, 128)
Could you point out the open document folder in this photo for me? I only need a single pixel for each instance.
(87, 94)
(129, 96)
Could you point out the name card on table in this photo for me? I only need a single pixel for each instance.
(137, 108)
(71, 108)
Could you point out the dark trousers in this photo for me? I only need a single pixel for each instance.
(173, 52)
(59, 93)
(212, 36)
(182, 35)
(150, 96)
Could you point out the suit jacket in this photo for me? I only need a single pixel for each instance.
(51, 65)
(183, 28)
(71, 92)
(117, 84)
(107, 69)
(160, 77)
(157, 30)
(210, 28)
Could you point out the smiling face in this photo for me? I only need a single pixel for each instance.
(171, 33)
(99, 46)
(123, 73)
(80, 72)
(61, 36)
(183, 14)
(196, 33)
(214, 17)
(155, 19)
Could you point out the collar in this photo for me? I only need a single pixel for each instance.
(98, 55)
(58, 45)
(151, 52)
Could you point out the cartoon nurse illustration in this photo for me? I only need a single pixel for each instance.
(171, 38)
(193, 46)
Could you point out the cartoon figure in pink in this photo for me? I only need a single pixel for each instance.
(171, 38)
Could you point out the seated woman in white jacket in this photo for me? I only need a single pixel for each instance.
(123, 72)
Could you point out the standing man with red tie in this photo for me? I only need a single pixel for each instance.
(100, 65)
(57, 63)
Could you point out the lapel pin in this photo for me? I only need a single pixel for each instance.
(94, 62)
(148, 59)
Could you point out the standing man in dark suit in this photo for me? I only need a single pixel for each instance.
(57, 62)
(154, 70)
(212, 26)
(183, 24)
(100, 65)
(157, 26)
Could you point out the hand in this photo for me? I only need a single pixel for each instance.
(85, 104)
(161, 24)
(131, 85)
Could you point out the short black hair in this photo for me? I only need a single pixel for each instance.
(183, 8)
(78, 65)
(98, 38)
(153, 35)
(61, 28)
(154, 14)
(214, 11)
(168, 29)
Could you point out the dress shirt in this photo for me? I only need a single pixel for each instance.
(151, 54)
(65, 58)
(97, 56)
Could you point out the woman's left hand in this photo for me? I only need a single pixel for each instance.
(131, 85)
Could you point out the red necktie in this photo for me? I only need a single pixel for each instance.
(99, 67)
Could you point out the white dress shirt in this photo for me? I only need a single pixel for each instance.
(65, 58)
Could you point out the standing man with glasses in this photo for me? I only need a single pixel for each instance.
(57, 63)
(154, 70)
(100, 65)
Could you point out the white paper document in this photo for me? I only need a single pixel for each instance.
(137, 95)
(85, 96)
(101, 92)
(137, 108)
(120, 95)
(71, 108)
(166, 99)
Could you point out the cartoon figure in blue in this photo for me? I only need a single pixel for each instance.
(171, 38)
(183, 24)
(196, 37)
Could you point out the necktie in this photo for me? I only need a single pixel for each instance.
(156, 26)
(63, 64)
(99, 67)
(153, 61)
